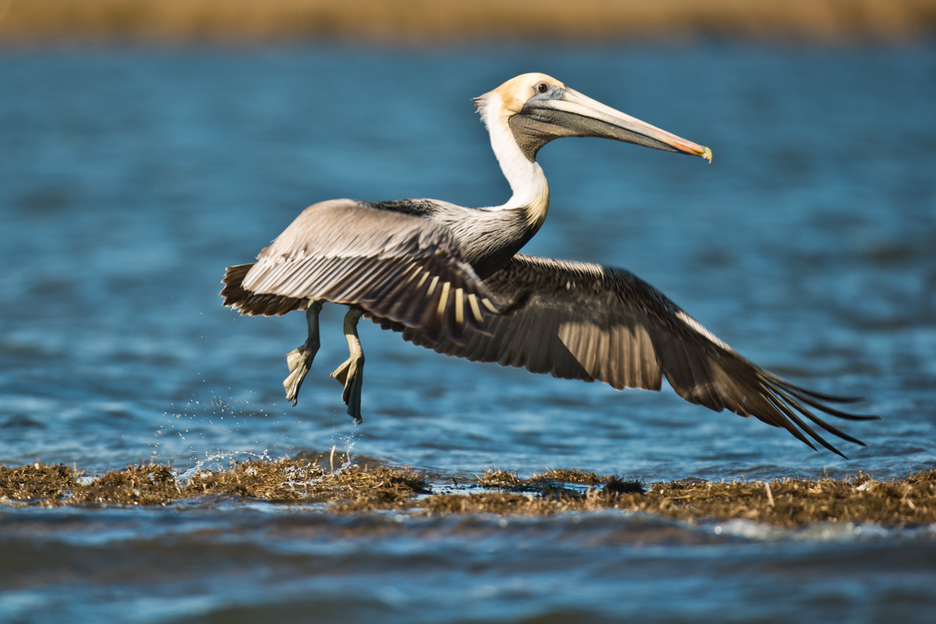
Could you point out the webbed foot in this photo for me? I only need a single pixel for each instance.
(351, 373)
(299, 360)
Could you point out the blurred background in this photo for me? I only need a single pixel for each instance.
(451, 21)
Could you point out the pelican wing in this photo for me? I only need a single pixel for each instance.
(584, 321)
(390, 264)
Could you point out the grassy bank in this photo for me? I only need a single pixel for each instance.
(784, 502)
(447, 21)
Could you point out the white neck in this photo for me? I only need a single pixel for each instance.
(526, 177)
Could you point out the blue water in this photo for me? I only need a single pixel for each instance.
(129, 178)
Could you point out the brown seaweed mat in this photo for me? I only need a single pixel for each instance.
(311, 480)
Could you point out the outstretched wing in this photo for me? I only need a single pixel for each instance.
(391, 264)
(585, 321)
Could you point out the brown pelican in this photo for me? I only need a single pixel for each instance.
(451, 279)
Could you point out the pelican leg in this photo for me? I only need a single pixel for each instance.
(300, 359)
(351, 373)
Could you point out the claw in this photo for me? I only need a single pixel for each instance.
(341, 373)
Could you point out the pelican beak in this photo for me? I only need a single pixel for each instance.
(566, 112)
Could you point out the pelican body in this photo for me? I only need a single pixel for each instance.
(450, 278)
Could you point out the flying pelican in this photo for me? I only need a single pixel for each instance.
(450, 278)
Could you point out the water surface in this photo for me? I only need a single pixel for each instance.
(129, 178)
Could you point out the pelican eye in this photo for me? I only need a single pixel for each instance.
(541, 87)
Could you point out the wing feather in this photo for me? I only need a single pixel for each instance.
(391, 264)
(583, 321)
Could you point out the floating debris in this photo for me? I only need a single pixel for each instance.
(356, 488)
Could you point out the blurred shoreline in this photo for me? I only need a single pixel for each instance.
(451, 21)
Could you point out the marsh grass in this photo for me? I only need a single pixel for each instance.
(375, 488)
(447, 21)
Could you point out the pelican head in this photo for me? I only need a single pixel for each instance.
(537, 108)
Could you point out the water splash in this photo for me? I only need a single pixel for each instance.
(217, 456)
(348, 442)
